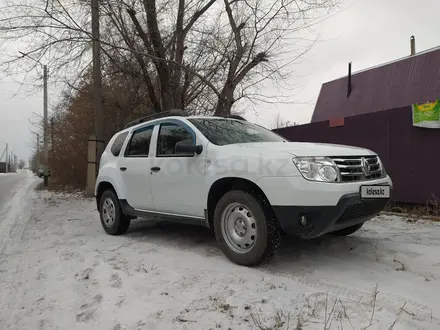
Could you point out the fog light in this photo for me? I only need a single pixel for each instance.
(303, 220)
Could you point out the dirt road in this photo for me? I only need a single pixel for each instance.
(8, 185)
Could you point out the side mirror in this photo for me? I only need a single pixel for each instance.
(187, 147)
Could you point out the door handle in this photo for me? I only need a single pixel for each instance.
(155, 169)
(123, 169)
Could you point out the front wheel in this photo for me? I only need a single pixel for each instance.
(245, 228)
(113, 220)
(347, 231)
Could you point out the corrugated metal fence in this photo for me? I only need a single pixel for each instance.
(410, 154)
(2, 167)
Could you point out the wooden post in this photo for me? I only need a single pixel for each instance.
(91, 166)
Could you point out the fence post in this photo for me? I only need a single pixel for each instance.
(91, 166)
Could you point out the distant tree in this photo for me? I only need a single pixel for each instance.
(21, 164)
(125, 99)
(279, 122)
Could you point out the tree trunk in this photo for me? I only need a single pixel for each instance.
(225, 101)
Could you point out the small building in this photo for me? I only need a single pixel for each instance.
(372, 109)
(410, 80)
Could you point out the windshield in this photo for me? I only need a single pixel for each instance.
(229, 131)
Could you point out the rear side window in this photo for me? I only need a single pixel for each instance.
(119, 142)
(139, 145)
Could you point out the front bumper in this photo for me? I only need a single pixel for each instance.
(299, 191)
(350, 210)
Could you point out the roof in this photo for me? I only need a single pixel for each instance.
(406, 81)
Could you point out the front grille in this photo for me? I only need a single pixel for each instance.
(354, 211)
(352, 169)
(359, 210)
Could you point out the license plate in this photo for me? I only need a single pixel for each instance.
(379, 191)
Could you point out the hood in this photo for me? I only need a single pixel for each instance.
(308, 148)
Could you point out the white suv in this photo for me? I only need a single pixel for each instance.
(246, 183)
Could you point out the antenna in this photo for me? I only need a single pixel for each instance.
(413, 45)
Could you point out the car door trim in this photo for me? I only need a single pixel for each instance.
(179, 218)
(169, 214)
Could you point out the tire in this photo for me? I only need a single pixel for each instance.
(347, 231)
(260, 231)
(115, 223)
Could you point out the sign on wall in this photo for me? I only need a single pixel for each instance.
(426, 115)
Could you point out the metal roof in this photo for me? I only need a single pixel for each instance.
(409, 80)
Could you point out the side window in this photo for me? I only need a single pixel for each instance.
(169, 135)
(118, 143)
(139, 145)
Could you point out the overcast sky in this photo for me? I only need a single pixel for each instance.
(367, 33)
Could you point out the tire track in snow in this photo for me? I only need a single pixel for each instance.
(16, 217)
(17, 213)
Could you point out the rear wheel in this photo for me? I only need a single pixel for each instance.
(347, 231)
(245, 228)
(113, 220)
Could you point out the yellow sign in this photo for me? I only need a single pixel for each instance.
(426, 114)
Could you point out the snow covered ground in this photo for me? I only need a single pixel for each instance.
(59, 270)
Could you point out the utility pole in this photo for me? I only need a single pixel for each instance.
(7, 158)
(38, 152)
(46, 145)
(52, 142)
(98, 104)
(45, 126)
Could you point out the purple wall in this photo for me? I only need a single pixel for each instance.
(409, 153)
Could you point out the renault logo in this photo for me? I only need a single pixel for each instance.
(365, 166)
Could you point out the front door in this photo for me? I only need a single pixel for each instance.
(178, 178)
(135, 170)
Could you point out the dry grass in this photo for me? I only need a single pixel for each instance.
(280, 320)
(331, 314)
(55, 185)
(429, 211)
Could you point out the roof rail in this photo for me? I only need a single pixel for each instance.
(236, 117)
(174, 112)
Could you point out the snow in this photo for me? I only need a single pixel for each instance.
(60, 270)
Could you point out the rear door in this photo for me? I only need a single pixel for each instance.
(135, 169)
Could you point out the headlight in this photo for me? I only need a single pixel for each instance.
(321, 169)
(384, 172)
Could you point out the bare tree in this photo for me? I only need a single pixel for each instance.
(21, 164)
(202, 55)
(279, 122)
